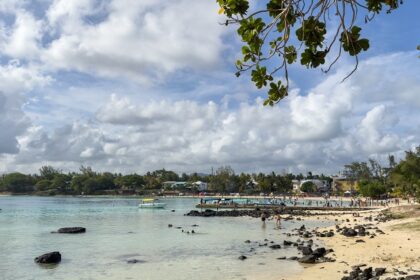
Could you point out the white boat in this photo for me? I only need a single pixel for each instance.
(151, 203)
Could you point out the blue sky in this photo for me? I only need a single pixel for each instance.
(132, 87)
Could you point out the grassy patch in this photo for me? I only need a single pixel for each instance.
(403, 212)
(414, 226)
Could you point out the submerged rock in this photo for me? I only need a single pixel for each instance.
(52, 257)
(133, 261)
(242, 258)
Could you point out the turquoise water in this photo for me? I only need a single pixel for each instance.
(118, 231)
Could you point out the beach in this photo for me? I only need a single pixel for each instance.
(397, 250)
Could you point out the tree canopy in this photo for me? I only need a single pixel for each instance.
(288, 31)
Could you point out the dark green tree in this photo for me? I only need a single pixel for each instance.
(373, 188)
(224, 180)
(308, 187)
(48, 172)
(18, 183)
(406, 174)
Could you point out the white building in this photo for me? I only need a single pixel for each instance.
(201, 186)
(296, 185)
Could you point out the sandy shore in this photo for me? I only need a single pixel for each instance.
(398, 248)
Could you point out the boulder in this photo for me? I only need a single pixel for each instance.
(72, 230)
(287, 243)
(319, 252)
(379, 271)
(349, 232)
(308, 259)
(306, 251)
(242, 258)
(275, 246)
(52, 257)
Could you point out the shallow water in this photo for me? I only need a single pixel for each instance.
(118, 231)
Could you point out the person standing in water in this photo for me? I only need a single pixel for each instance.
(277, 218)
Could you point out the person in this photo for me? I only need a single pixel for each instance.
(277, 218)
(263, 217)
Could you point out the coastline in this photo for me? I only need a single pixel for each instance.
(397, 250)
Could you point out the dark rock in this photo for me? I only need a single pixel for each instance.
(72, 230)
(53, 257)
(133, 261)
(242, 258)
(170, 225)
(275, 246)
(247, 241)
(307, 251)
(319, 252)
(287, 243)
(367, 272)
(330, 234)
(379, 271)
(293, 258)
(308, 259)
(348, 232)
(281, 258)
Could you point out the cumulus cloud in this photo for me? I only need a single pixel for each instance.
(168, 45)
(334, 124)
(141, 40)
(14, 80)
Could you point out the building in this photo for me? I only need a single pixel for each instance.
(341, 184)
(296, 185)
(321, 185)
(201, 186)
(174, 185)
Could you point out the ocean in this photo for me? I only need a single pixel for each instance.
(118, 231)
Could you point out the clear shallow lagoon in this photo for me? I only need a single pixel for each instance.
(117, 231)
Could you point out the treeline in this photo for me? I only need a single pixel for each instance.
(53, 181)
(397, 179)
(373, 180)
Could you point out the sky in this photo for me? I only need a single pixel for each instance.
(134, 86)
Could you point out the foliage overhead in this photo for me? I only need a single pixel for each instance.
(290, 31)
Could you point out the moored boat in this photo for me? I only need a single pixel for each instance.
(151, 203)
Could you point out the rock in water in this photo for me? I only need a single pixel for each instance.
(242, 258)
(133, 261)
(72, 230)
(53, 257)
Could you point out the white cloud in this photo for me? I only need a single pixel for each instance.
(168, 45)
(23, 40)
(141, 40)
(14, 80)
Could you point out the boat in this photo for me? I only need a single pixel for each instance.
(151, 203)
